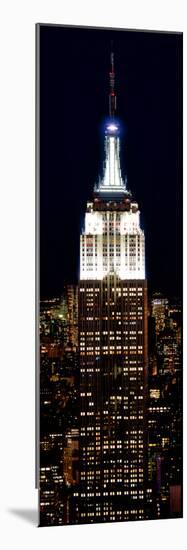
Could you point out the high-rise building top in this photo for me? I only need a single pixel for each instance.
(112, 240)
(111, 185)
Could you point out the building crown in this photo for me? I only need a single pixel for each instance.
(112, 186)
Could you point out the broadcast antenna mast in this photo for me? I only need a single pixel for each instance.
(112, 93)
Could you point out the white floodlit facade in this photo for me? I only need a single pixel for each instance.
(112, 242)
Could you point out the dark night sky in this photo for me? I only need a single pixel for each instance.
(74, 66)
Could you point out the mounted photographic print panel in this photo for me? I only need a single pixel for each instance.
(109, 293)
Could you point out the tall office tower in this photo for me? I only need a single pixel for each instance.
(72, 315)
(113, 345)
(159, 311)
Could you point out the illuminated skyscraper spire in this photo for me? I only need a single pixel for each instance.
(111, 192)
(111, 185)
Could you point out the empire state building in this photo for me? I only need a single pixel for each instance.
(113, 345)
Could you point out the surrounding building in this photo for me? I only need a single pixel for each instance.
(165, 416)
(159, 311)
(59, 380)
(72, 315)
(113, 346)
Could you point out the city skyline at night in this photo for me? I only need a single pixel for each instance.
(111, 304)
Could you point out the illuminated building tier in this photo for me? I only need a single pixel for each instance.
(113, 241)
(113, 347)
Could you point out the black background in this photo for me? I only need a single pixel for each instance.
(74, 85)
